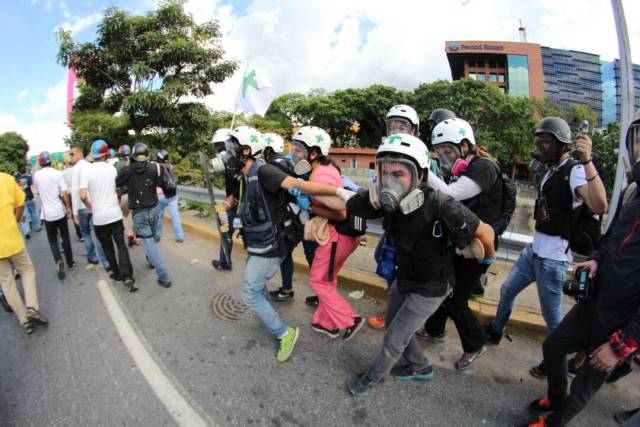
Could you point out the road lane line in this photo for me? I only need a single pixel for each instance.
(181, 411)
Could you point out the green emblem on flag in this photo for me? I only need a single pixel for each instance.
(249, 80)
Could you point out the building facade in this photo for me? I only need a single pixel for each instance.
(561, 77)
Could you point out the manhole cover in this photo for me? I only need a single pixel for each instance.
(229, 308)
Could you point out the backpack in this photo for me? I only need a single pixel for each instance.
(293, 227)
(386, 257)
(168, 181)
(508, 203)
(585, 226)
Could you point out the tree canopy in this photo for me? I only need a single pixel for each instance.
(13, 152)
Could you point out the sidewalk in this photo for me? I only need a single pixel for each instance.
(358, 274)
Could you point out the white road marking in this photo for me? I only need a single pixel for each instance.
(181, 411)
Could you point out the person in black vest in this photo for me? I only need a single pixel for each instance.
(565, 184)
(473, 178)
(607, 326)
(263, 190)
(422, 224)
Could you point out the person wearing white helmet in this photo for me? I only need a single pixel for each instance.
(424, 225)
(226, 215)
(264, 226)
(310, 154)
(473, 178)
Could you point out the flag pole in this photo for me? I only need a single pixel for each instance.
(233, 118)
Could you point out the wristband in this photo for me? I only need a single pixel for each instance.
(586, 162)
(593, 177)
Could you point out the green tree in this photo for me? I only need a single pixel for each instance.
(578, 113)
(13, 152)
(605, 154)
(147, 67)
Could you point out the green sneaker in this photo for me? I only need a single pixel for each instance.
(287, 344)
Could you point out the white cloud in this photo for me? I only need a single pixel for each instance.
(23, 93)
(296, 43)
(55, 102)
(41, 135)
(80, 23)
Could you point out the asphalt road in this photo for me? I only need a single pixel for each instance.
(80, 371)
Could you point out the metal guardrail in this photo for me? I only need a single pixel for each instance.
(511, 244)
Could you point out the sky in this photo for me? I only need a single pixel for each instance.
(299, 44)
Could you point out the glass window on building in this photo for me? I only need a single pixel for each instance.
(518, 66)
(481, 77)
(608, 93)
(480, 63)
(501, 78)
(492, 63)
(472, 63)
(473, 76)
(493, 77)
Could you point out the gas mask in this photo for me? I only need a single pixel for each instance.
(396, 187)
(451, 159)
(537, 167)
(229, 158)
(548, 149)
(300, 158)
(633, 146)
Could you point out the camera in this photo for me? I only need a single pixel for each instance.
(581, 289)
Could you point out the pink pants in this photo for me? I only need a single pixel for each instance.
(333, 310)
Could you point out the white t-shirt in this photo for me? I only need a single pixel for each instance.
(50, 186)
(100, 179)
(555, 247)
(77, 171)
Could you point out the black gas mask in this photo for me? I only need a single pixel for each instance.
(547, 153)
(230, 158)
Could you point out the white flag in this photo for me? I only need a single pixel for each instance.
(255, 93)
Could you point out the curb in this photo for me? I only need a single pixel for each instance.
(522, 322)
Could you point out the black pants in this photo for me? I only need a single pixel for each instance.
(579, 330)
(472, 336)
(52, 228)
(114, 232)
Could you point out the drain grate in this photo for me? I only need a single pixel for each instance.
(229, 308)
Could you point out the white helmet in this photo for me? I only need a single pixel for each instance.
(248, 136)
(452, 131)
(221, 135)
(405, 112)
(407, 145)
(313, 136)
(274, 141)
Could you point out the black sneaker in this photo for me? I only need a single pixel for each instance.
(60, 270)
(115, 278)
(623, 416)
(151, 266)
(620, 371)
(492, 336)
(35, 317)
(312, 301)
(131, 241)
(350, 332)
(72, 266)
(108, 269)
(94, 262)
(477, 293)
(280, 295)
(539, 371)
(360, 384)
(131, 284)
(164, 283)
(331, 333)
(219, 266)
(407, 373)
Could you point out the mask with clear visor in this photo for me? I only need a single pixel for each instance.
(300, 158)
(451, 161)
(399, 125)
(396, 186)
(229, 158)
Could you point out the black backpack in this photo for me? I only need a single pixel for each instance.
(585, 226)
(508, 202)
(168, 180)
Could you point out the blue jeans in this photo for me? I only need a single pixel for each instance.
(257, 272)
(145, 225)
(548, 275)
(231, 214)
(86, 226)
(36, 225)
(172, 205)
